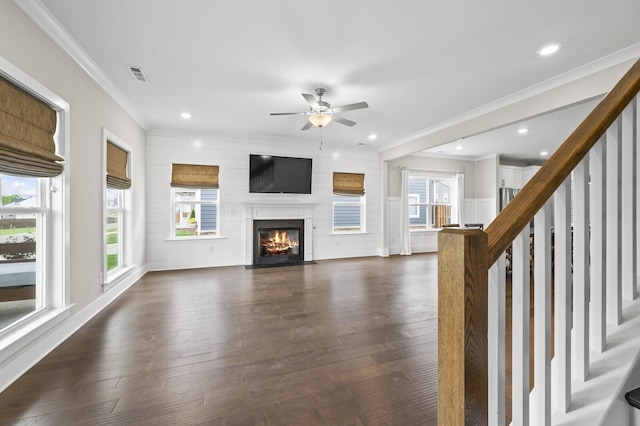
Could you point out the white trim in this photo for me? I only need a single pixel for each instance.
(19, 365)
(41, 15)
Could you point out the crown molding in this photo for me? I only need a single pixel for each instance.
(50, 25)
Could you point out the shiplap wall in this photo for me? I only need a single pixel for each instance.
(233, 159)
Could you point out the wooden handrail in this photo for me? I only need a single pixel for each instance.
(519, 212)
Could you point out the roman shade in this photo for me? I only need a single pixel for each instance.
(117, 167)
(349, 184)
(194, 176)
(27, 126)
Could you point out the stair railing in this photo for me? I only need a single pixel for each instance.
(580, 258)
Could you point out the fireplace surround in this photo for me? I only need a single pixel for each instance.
(294, 216)
(277, 242)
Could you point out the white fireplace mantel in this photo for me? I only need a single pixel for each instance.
(273, 211)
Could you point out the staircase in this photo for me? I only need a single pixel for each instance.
(575, 313)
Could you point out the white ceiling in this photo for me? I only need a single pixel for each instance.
(544, 133)
(416, 63)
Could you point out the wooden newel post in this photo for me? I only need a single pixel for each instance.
(462, 327)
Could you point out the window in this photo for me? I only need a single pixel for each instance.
(429, 199)
(348, 202)
(22, 227)
(34, 292)
(117, 232)
(348, 213)
(114, 237)
(195, 198)
(196, 212)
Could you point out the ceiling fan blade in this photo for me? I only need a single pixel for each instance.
(288, 113)
(312, 101)
(350, 107)
(344, 121)
(307, 126)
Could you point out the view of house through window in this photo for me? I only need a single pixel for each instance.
(21, 223)
(195, 212)
(430, 201)
(347, 213)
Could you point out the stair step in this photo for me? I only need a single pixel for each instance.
(633, 397)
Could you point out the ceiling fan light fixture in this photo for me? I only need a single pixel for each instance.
(320, 120)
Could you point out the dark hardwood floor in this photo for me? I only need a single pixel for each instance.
(340, 342)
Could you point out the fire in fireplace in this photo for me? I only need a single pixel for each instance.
(278, 241)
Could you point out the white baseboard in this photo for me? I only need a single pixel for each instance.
(383, 252)
(21, 362)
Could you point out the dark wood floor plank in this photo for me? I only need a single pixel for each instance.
(340, 342)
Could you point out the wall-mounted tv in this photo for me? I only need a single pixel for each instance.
(279, 175)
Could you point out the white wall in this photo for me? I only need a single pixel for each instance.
(484, 206)
(27, 47)
(233, 159)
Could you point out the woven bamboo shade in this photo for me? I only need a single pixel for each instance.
(194, 176)
(27, 126)
(117, 167)
(349, 184)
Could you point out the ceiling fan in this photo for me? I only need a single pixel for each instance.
(321, 113)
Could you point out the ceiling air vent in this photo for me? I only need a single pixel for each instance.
(137, 73)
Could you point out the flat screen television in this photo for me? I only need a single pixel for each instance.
(279, 175)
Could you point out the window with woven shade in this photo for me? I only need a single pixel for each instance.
(117, 167)
(32, 215)
(195, 201)
(348, 184)
(348, 203)
(118, 234)
(194, 176)
(27, 128)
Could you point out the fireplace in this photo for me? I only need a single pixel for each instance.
(278, 242)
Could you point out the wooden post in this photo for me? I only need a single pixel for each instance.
(462, 327)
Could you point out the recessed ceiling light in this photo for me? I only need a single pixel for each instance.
(372, 136)
(185, 115)
(459, 147)
(544, 153)
(523, 130)
(549, 49)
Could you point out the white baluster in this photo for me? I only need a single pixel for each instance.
(597, 212)
(628, 188)
(496, 341)
(612, 202)
(520, 279)
(541, 402)
(580, 345)
(562, 292)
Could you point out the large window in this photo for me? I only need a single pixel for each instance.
(431, 201)
(348, 202)
(117, 229)
(33, 223)
(195, 212)
(195, 198)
